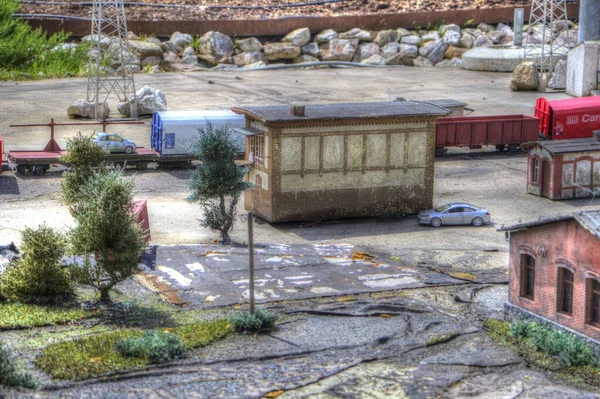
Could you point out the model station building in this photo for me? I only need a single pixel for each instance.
(330, 161)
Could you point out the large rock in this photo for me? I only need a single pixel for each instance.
(356, 33)
(338, 50)
(414, 40)
(434, 51)
(311, 49)
(408, 50)
(432, 35)
(559, 79)
(525, 77)
(153, 60)
(150, 100)
(401, 32)
(325, 36)
(386, 36)
(281, 51)
(390, 50)
(483, 41)
(450, 27)
(452, 38)
(246, 58)
(83, 109)
(170, 46)
(216, 44)
(181, 39)
(169, 59)
(374, 60)
(467, 41)
(189, 56)
(400, 59)
(365, 51)
(145, 49)
(249, 45)
(298, 37)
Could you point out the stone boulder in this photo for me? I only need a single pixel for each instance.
(401, 32)
(169, 59)
(390, 50)
(145, 49)
(131, 35)
(181, 39)
(212, 60)
(151, 61)
(216, 44)
(485, 27)
(365, 51)
(356, 33)
(434, 51)
(92, 39)
(149, 100)
(432, 35)
(189, 56)
(467, 41)
(452, 38)
(408, 50)
(454, 52)
(525, 77)
(170, 46)
(400, 59)
(451, 27)
(246, 58)
(559, 78)
(414, 40)
(338, 50)
(84, 109)
(281, 51)
(298, 37)
(249, 45)
(325, 36)
(374, 60)
(154, 40)
(422, 62)
(386, 36)
(483, 41)
(311, 49)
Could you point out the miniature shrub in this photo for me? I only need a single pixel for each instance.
(261, 319)
(518, 329)
(10, 374)
(157, 347)
(38, 276)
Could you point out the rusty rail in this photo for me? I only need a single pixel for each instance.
(278, 27)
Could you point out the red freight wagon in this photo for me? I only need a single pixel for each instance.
(477, 131)
(571, 118)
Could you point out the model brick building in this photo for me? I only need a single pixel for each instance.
(554, 274)
(563, 169)
(330, 161)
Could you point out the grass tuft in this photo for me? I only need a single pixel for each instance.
(18, 315)
(10, 374)
(155, 346)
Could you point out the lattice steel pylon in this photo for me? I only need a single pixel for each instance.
(109, 43)
(541, 46)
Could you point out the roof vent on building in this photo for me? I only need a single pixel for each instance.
(597, 135)
(297, 110)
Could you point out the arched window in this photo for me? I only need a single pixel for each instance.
(564, 295)
(592, 301)
(527, 276)
(535, 170)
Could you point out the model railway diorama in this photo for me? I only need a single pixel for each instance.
(173, 133)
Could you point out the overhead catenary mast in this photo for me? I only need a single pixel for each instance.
(109, 42)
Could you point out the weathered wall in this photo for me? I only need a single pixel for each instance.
(583, 63)
(535, 187)
(563, 243)
(350, 169)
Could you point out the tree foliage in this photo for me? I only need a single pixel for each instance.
(218, 182)
(84, 157)
(106, 228)
(38, 276)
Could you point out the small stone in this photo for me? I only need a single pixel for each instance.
(338, 50)
(433, 51)
(483, 41)
(374, 60)
(390, 50)
(386, 36)
(401, 32)
(485, 27)
(298, 37)
(170, 46)
(212, 60)
(281, 51)
(356, 33)
(365, 51)
(216, 44)
(149, 100)
(496, 36)
(467, 41)
(450, 28)
(181, 39)
(311, 49)
(452, 38)
(400, 59)
(246, 58)
(525, 77)
(145, 49)
(250, 44)
(326, 36)
(170, 58)
(432, 35)
(414, 40)
(408, 50)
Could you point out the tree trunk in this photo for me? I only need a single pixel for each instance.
(225, 239)
(105, 296)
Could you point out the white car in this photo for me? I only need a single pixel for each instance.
(455, 213)
(112, 142)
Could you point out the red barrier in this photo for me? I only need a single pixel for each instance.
(140, 209)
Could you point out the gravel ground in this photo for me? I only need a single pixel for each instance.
(192, 9)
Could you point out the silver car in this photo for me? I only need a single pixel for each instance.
(112, 142)
(455, 213)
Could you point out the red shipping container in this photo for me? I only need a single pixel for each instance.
(140, 210)
(571, 118)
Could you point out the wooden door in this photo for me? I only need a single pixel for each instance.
(546, 178)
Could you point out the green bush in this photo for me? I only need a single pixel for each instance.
(37, 276)
(156, 346)
(10, 374)
(261, 319)
(569, 349)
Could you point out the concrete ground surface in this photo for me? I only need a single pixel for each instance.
(428, 283)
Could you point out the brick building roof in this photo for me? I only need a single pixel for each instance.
(590, 220)
(589, 144)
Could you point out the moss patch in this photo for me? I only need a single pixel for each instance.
(17, 315)
(439, 339)
(96, 355)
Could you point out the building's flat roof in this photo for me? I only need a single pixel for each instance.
(590, 220)
(570, 145)
(340, 111)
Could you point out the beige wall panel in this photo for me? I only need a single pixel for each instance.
(266, 153)
(339, 180)
(376, 154)
(312, 150)
(258, 125)
(333, 152)
(397, 149)
(263, 175)
(355, 151)
(417, 143)
(290, 153)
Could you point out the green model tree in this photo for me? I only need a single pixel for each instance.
(218, 182)
(106, 228)
(84, 157)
